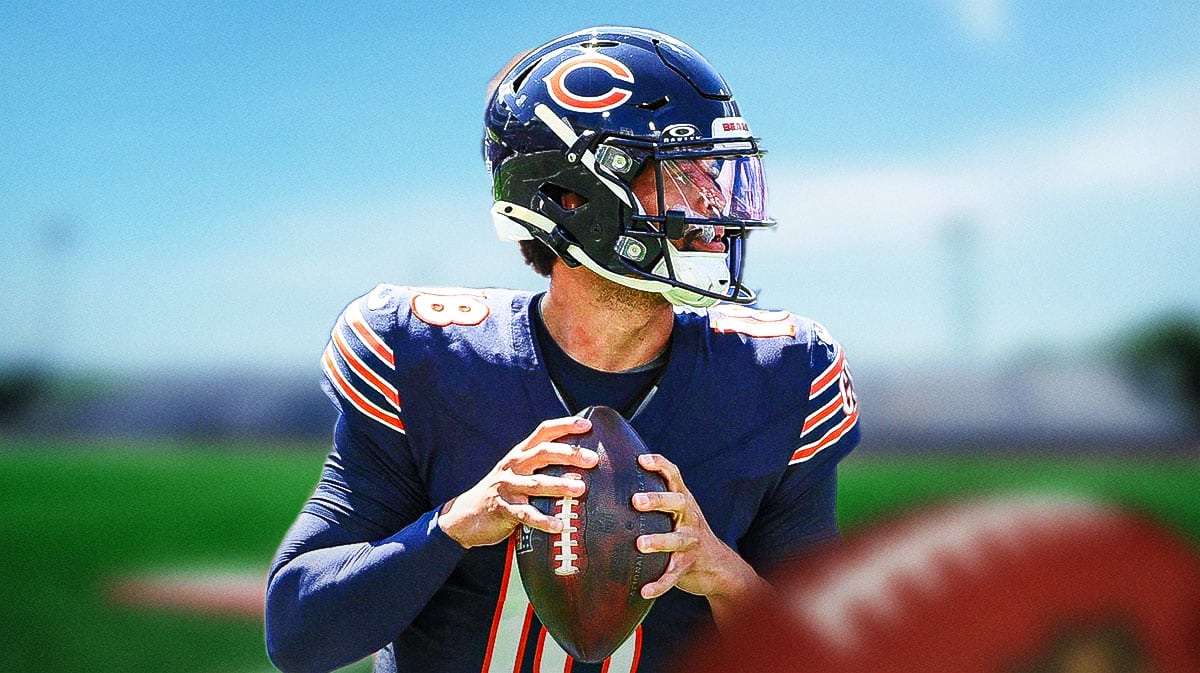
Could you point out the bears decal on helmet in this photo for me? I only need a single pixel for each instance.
(556, 84)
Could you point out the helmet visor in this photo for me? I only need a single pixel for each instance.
(718, 188)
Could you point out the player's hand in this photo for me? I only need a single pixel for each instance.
(488, 512)
(700, 562)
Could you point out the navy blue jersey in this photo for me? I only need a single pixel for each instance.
(435, 386)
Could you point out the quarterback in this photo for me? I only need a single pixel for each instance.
(623, 168)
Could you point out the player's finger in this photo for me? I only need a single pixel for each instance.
(530, 516)
(675, 570)
(658, 463)
(543, 485)
(554, 453)
(670, 502)
(666, 542)
(525, 460)
(551, 429)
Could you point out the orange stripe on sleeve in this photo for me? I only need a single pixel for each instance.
(809, 450)
(364, 372)
(368, 336)
(829, 375)
(821, 415)
(361, 403)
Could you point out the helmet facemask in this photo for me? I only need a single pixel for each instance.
(700, 200)
(663, 218)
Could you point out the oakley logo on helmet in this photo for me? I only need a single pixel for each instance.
(680, 132)
(556, 84)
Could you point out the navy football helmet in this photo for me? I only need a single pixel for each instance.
(623, 150)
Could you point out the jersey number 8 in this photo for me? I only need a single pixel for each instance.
(441, 310)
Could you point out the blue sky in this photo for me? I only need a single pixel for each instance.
(204, 186)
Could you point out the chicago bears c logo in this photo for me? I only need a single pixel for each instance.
(556, 84)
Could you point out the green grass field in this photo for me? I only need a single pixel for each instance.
(75, 516)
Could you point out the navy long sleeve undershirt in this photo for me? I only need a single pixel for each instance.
(332, 602)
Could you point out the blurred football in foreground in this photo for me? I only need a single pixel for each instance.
(1024, 583)
(585, 582)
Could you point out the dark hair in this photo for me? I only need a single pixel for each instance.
(538, 255)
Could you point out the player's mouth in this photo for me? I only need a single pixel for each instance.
(703, 238)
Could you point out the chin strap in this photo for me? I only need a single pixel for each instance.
(511, 220)
(681, 297)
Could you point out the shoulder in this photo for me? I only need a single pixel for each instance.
(772, 338)
(421, 327)
(388, 306)
(390, 313)
(395, 329)
(359, 359)
(785, 366)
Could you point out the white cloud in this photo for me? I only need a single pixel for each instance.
(984, 21)
(1060, 212)
(1141, 143)
(1148, 139)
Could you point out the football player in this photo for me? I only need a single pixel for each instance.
(624, 169)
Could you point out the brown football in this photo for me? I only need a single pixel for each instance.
(585, 582)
